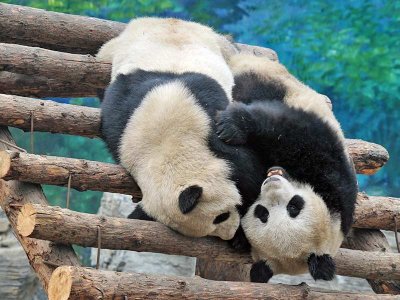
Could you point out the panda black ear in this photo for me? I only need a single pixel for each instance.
(189, 198)
(260, 272)
(321, 266)
(139, 214)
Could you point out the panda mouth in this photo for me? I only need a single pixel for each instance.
(276, 171)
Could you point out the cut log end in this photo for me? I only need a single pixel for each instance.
(60, 284)
(26, 220)
(5, 163)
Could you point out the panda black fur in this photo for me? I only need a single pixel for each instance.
(305, 207)
(169, 78)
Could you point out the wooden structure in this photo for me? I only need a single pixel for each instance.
(46, 54)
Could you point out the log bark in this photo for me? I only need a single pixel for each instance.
(40, 86)
(43, 255)
(59, 74)
(85, 283)
(373, 240)
(85, 174)
(85, 35)
(371, 211)
(56, 31)
(82, 70)
(85, 121)
(38, 221)
(376, 212)
(49, 116)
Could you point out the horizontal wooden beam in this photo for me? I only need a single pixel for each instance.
(56, 31)
(49, 116)
(371, 212)
(85, 35)
(85, 174)
(85, 283)
(38, 221)
(55, 117)
(73, 70)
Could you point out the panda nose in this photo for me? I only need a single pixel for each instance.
(272, 178)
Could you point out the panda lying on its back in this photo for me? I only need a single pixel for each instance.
(169, 78)
(305, 205)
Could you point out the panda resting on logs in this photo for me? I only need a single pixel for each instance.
(306, 201)
(169, 78)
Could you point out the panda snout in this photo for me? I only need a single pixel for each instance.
(272, 178)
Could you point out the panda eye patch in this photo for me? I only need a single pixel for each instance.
(221, 218)
(295, 205)
(261, 213)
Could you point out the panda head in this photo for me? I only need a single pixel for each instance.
(291, 230)
(198, 210)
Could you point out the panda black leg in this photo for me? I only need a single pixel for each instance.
(260, 272)
(139, 214)
(239, 241)
(321, 267)
(234, 124)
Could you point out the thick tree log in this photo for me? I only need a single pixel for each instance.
(83, 70)
(38, 221)
(43, 256)
(84, 283)
(56, 31)
(39, 86)
(49, 116)
(85, 174)
(371, 212)
(68, 33)
(373, 240)
(85, 121)
(376, 212)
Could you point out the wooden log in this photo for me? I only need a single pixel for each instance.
(85, 283)
(43, 256)
(38, 221)
(373, 240)
(376, 212)
(85, 121)
(49, 116)
(83, 70)
(56, 31)
(39, 86)
(85, 35)
(85, 174)
(371, 212)
(61, 74)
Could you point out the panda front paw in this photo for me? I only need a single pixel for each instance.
(321, 266)
(229, 129)
(239, 242)
(260, 272)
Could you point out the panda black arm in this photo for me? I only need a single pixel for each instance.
(240, 122)
(239, 241)
(139, 214)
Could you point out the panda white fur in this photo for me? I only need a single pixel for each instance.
(305, 205)
(169, 78)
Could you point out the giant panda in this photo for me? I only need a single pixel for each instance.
(169, 78)
(307, 196)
